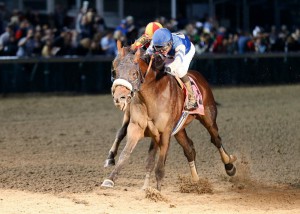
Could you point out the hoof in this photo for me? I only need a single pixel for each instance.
(109, 162)
(108, 183)
(145, 186)
(230, 169)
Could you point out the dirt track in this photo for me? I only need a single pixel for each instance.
(52, 150)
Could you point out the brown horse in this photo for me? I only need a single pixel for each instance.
(156, 103)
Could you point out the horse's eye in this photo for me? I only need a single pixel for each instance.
(113, 75)
(113, 71)
(135, 75)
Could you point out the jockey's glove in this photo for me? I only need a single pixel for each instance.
(167, 69)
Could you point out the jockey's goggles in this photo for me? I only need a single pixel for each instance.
(162, 48)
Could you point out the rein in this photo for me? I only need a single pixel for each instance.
(149, 67)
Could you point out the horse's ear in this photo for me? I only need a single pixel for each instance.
(120, 48)
(137, 56)
(119, 45)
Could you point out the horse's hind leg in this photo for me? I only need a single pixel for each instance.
(150, 163)
(209, 121)
(189, 151)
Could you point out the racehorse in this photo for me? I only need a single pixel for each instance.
(153, 103)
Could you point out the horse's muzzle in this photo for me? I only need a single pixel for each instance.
(122, 102)
(122, 97)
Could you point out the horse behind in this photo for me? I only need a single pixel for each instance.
(156, 103)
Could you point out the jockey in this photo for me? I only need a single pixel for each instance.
(178, 53)
(145, 39)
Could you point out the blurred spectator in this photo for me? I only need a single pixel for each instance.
(132, 31)
(120, 32)
(64, 43)
(192, 33)
(78, 20)
(108, 44)
(84, 47)
(292, 42)
(99, 23)
(38, 45)
(273, 38)
(5, 37)
(15, 19)
(231, 46)
(219, 45)
(22, 30)
(204, 44)
(297, 35)
(55, 35)
(256, 31)
(85, 27)
(26, 45)
(208, 25)
(259, 40)
(260, 45)
(47, 49)
(244, 42)
(284, 31)
(48, 34)
(10, 47)
(95, 47)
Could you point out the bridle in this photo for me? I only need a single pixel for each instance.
(131, 78)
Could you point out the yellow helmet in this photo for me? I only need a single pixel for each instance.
(151, 28)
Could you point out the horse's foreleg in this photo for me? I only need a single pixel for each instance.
(154, 133)
(160, 167)
(110, 161)
(150, 163)
(189, 151)
(135, 133)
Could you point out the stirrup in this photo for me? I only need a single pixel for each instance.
(191, 106)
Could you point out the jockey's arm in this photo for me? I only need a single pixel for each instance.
(178, 58)
(140, 42)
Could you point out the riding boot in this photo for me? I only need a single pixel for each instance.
(192, 102)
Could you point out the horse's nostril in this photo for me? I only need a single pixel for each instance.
(128, 98)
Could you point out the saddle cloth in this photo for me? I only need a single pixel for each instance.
(185, 114)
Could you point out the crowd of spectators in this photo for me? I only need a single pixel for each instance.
(28, 34)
